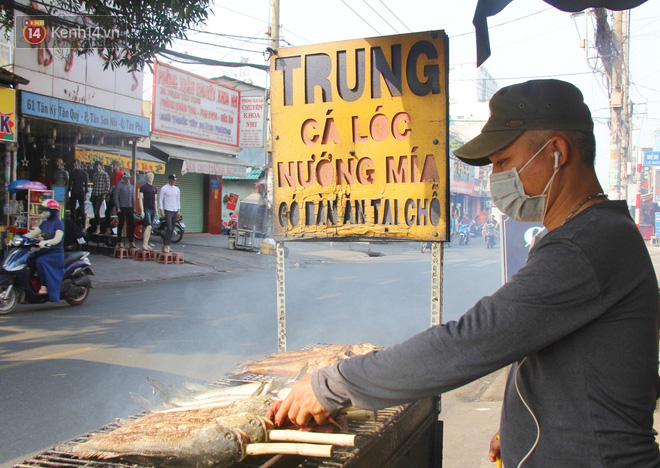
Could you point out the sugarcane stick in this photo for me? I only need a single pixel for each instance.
(287, 435)
(306, 450)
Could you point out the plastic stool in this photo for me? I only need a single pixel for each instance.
(165, 258)
(178, 257)
(133, 252)
(144, 255)
(120, 252)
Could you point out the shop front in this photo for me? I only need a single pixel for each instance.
(199, 177)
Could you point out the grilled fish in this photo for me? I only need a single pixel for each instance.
(158, 439)
(290, 363)
(201, 437)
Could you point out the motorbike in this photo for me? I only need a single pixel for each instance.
(18, 284)
(463, 234)
(475, 229)
(489, 237)
(159, 227)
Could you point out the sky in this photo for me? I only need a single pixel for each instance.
(529, 39)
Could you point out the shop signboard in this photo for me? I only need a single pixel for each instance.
(192, 107)
(253, 118)
(651, 158)
(91, 156)
(360, 139)
(7, 114)
(76, 113)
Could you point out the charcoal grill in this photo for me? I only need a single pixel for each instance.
(402, 436)
(398, 437)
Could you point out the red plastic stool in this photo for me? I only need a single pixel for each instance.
(120, 252)
(165, 257)
(178, 257)
(144, 255)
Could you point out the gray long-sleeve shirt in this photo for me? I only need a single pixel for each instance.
(579, 322)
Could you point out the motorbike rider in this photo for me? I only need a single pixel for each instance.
(147, 198)
(491, 226)
(49, 256)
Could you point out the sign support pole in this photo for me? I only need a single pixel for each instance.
(436, 283)
(281, 297)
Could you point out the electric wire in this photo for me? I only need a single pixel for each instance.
(358, 15)
(538, 428)
(380, 16)
(393, 14)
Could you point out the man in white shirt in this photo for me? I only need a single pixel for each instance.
(169, 202)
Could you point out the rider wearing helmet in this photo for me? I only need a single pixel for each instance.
(49, 257)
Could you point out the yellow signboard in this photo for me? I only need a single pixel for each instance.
(360, 139)
(7, 114)
(91, 156)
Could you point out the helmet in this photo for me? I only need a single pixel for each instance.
(50, 204)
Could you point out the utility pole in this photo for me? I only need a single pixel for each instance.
(612, 44)
(619, 106)
(275, 25)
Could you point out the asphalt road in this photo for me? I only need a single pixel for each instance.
(67, 370)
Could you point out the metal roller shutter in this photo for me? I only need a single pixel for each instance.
(192, 194)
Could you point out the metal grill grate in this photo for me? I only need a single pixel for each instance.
(378, 443)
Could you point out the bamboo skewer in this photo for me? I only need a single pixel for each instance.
(306, 450)
(288, 435)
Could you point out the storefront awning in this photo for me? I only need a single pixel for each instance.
(201, 161)
(106, 154)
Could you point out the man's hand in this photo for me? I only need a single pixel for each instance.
(494, 451)
(299, 407)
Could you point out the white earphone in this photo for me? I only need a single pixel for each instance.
(557, 155)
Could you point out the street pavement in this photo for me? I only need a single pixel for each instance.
(470, 413)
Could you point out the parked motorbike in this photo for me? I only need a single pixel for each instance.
(159, 227)
(463, 234)
(18, 284)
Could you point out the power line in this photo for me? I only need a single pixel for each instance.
(223, 46)
(506, 22)
(393, 14)
(379, 15)
(358, 15)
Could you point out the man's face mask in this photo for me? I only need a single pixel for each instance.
(509, 195)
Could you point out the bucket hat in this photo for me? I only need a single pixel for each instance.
(532, 105)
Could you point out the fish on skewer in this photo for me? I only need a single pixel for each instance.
(201, 438)
(154, 440)
(175, 398)
(316, 358)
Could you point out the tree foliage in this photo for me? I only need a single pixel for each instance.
(130, 32)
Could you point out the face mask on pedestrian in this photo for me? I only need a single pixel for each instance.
(509, 195)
